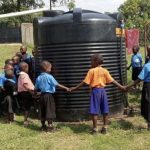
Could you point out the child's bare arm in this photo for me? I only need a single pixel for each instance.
(133, 84)
(77, 87)
(63, 87)
(119, 85)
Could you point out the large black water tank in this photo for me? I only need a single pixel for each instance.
(68, 41)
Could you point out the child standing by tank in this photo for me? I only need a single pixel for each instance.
(136, 63)
(10, 100)
(97, 78)
(16, 61)
(145, 98)
(25, 88)
(46, 84)
(26, 57)
(2, 80)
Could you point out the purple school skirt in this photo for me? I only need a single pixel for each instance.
(98, 101)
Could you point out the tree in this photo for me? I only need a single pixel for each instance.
(71, 5)
(136, 13)
(8, 6)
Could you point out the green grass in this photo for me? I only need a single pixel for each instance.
(7, 51)
(125, 133)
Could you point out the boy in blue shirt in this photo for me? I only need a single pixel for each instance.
(16, 61)
(46, 84)
(2, 80)
(145, 99)
(26, 57)
(136, 63)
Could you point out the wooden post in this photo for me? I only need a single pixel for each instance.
(50, 4)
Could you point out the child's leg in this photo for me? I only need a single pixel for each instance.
(105, 120)
(94, 119)
(26, 114)
(43, 127)
(51, 127)
(11, 117)
(50, 123)
(43, 123)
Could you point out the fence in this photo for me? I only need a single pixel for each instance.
(17, 34)
(10, 34)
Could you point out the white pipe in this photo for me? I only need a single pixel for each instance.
(26, 12)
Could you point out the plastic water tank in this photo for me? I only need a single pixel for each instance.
(68, 41)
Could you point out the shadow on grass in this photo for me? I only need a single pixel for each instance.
(125, 125)
(122, 124)
(32, 126)
(76, 128)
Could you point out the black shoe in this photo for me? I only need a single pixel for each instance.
(103, 131)
(44, 128)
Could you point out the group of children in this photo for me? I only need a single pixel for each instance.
(16, 84)
(11, 88)
(17, 89)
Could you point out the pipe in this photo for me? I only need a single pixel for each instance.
(26, 12)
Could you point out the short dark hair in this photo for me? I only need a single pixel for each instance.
(97, 58)
(16, 56)
(19, 54)
(9, 74)
(7, 61)
(22, 66)
(23, 46)
(8, 65)
(44, 65)
(136, 47)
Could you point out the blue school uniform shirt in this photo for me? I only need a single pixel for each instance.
(27, 58)
(16, 69)
(3, 79)
(46, 83)
(145, 73)
(136, 60)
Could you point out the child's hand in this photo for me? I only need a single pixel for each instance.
(68, 89)
(72, 89)
(123, 88)
(31, 91)
(38, 93)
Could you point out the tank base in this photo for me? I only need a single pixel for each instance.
(83, 115)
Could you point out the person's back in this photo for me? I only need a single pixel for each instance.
(136, 60)
(98, 77)
(10, 93)
(10, 87)
(136, 63)
(46, 83)
(24, 79)
(25, 88)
